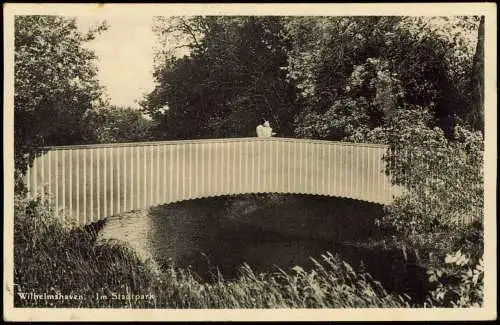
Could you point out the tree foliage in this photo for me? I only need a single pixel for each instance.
(230, 82)
(379, 63)
(55, 85)
(119, 124)
(334, 78)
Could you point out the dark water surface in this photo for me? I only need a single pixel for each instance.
(265, 231)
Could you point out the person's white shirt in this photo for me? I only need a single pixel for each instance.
(264, 131)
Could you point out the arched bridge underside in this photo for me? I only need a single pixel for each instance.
(91, 182)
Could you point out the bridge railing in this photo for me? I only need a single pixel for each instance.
(90, 182)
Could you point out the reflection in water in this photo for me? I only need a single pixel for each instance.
(265, 231)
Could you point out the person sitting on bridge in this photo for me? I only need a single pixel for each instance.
(265, 131)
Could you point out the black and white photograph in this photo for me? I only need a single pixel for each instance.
(250, 161)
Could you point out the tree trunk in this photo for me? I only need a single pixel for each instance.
(477, 112)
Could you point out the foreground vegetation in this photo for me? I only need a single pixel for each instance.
(51, 258)
(54, 259)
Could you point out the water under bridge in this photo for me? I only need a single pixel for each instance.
(87, 183)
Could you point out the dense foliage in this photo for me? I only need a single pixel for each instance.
(55, 85)
(459, 282)
(359, 70)
(58, 99)
(442, 178)
(322, 77)
(231, 82)
(117, 124)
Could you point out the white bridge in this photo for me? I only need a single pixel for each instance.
(88, 183)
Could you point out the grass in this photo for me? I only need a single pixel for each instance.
(50, 258)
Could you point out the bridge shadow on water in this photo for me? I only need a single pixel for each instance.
(268, 231)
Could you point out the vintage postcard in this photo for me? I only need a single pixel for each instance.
(250, 162)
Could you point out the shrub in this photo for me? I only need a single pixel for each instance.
(441, 208)
(459, 283)
(442, 178)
